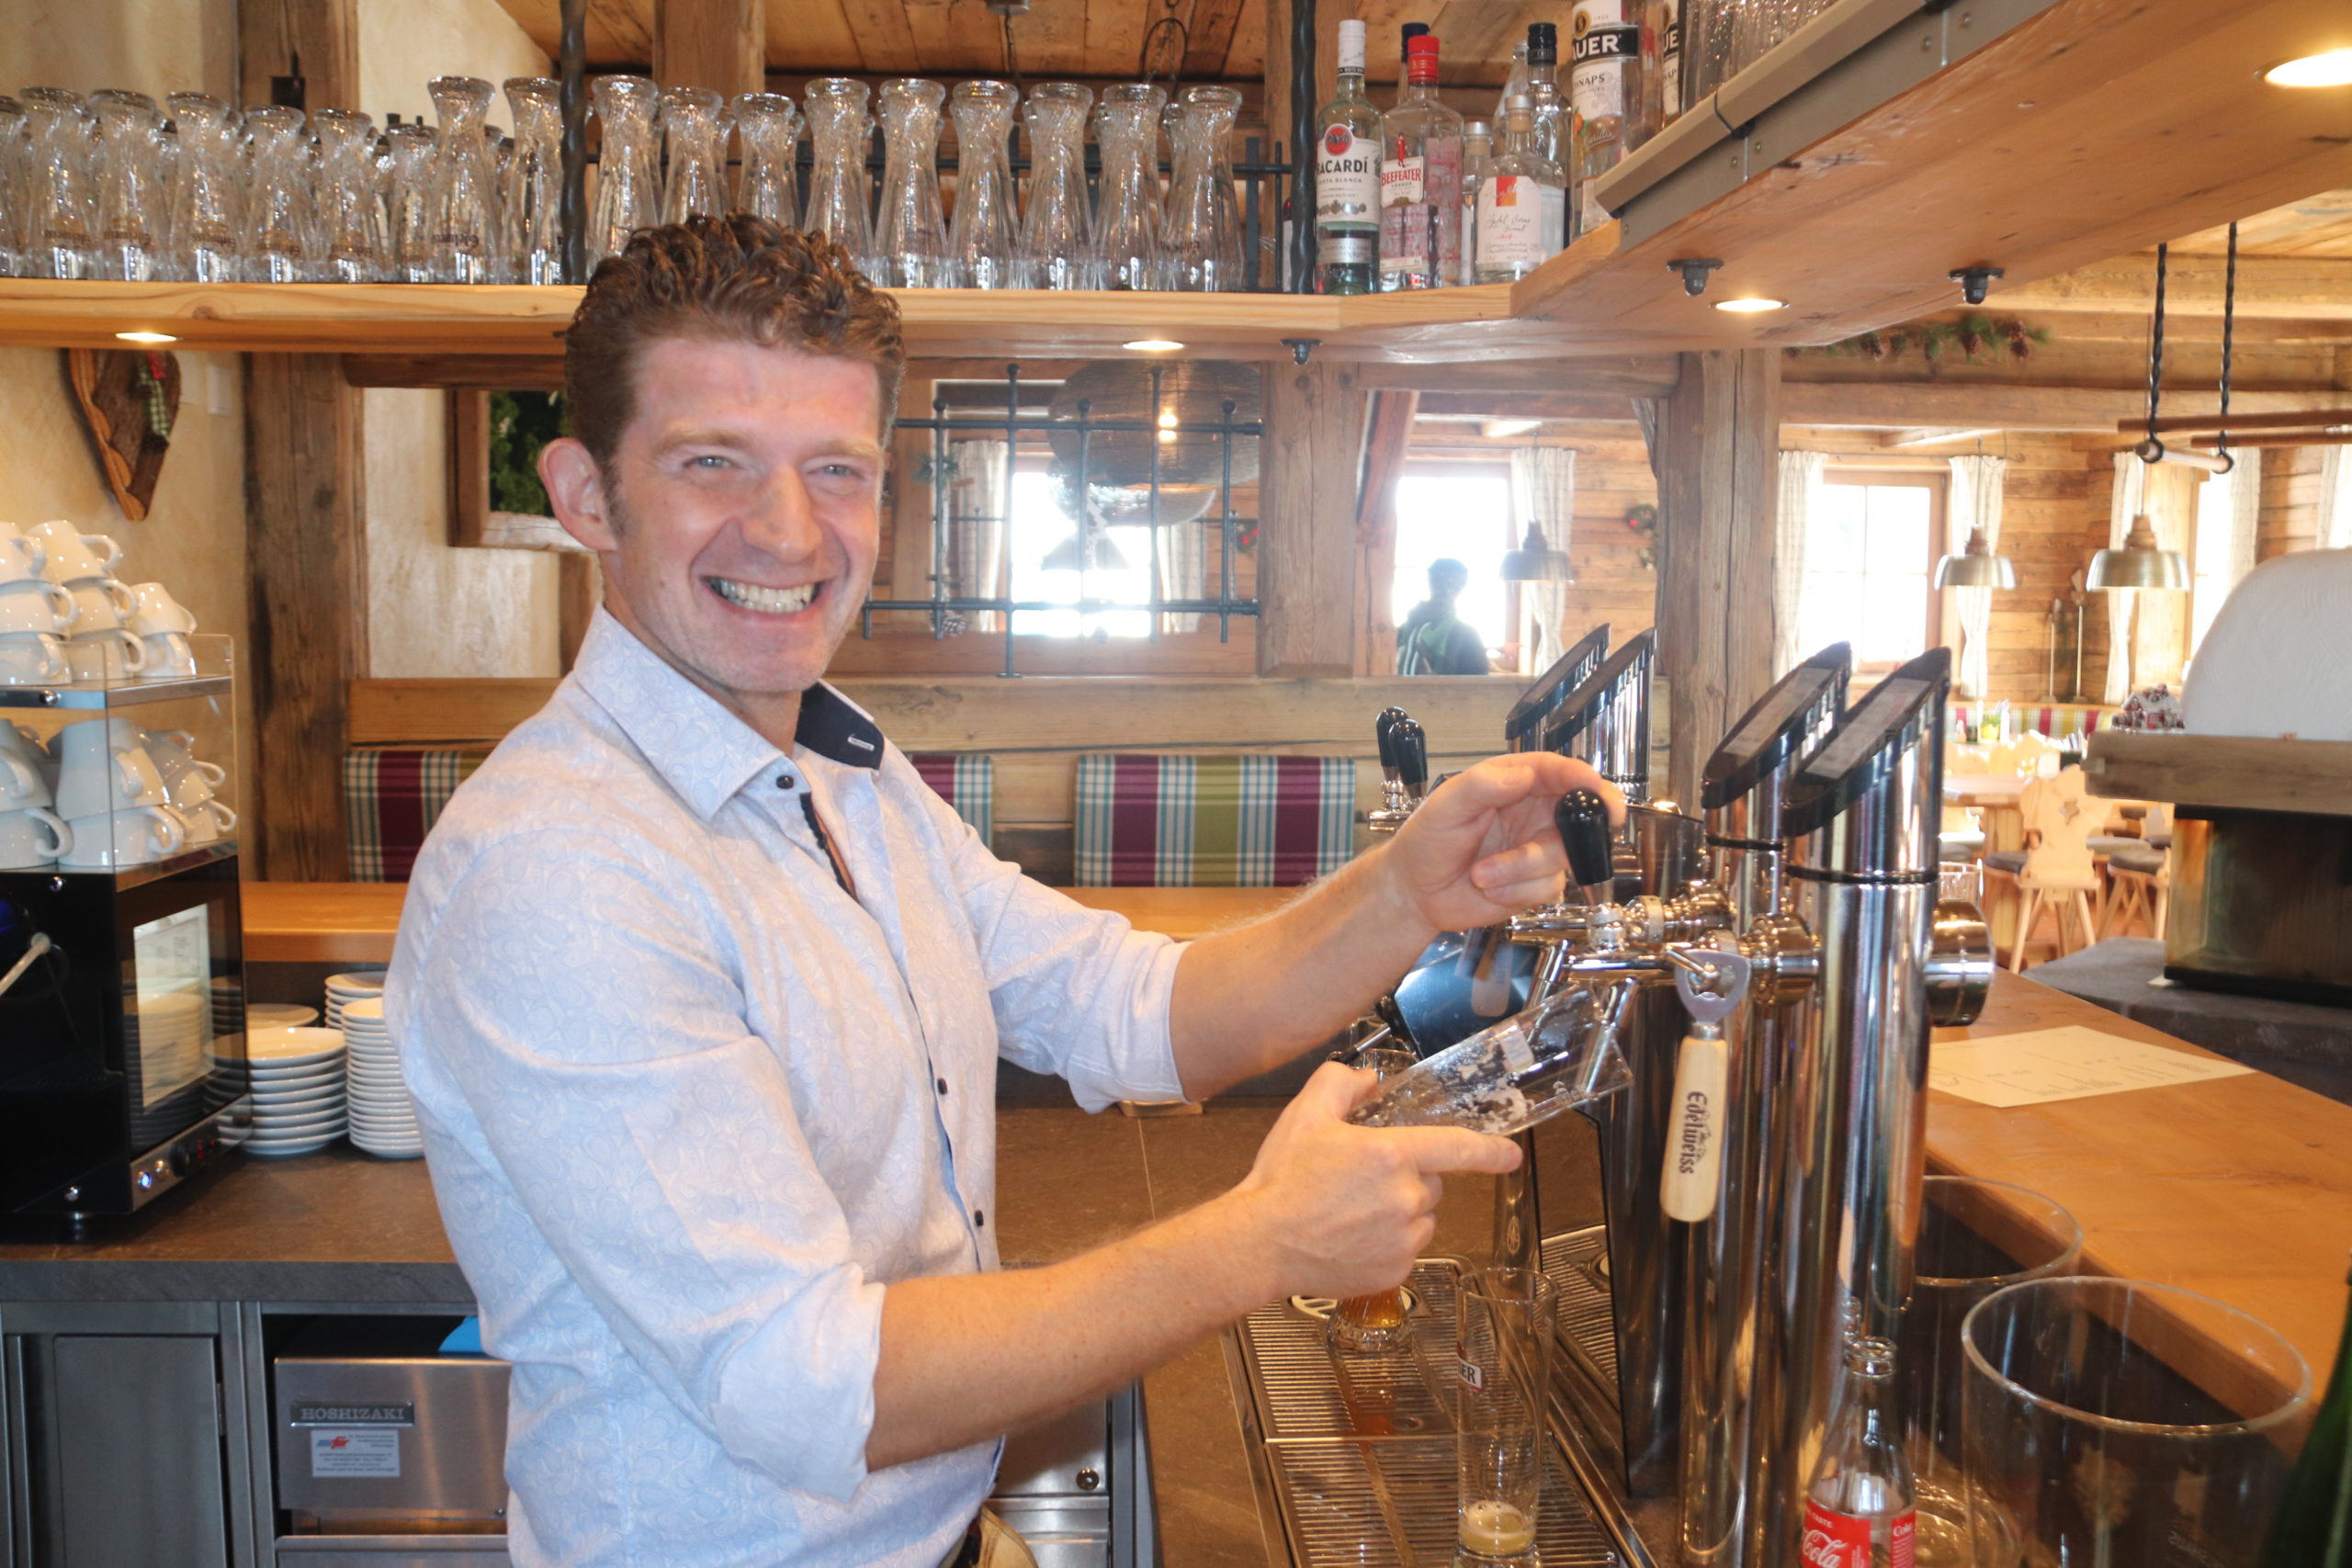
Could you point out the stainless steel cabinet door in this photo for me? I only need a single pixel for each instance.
(138, 1478)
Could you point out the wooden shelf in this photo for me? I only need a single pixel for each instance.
(2244, 771)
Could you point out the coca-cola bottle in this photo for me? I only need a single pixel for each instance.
(1857, 1510)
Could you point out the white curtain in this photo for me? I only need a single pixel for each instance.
(2126, 501)
(1542, 491)
(1975, 503)
(1183, 570)
(975, 525)
(2334, 499)
(2245, 510)
(1800, 481)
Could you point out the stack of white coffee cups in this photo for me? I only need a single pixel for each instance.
(64, 618)
(106, 794)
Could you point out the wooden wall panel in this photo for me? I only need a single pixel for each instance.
(2290, 501)
(719, 44)
(1311, 462)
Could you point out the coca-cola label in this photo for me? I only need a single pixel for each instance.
(1833, 1539)
(1346, 178)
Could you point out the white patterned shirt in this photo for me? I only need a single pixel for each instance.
(689, 1105)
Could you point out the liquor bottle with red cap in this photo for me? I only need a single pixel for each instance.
(1421, 180)
(1858, 1511)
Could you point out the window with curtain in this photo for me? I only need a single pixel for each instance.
(1870, 542)
(1462, 510)
(2229, 512)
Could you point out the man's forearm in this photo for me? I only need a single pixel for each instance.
(970, 1357)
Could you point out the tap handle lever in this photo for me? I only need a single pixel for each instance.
(1412, 750)
(1582, 817)
(1383, 729)
(1712, 985)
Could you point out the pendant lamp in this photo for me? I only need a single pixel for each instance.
(2138, 563)
(1536, 561)
(1976, 566)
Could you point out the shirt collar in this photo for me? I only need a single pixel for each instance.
(703, 751)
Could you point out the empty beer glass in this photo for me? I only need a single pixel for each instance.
(694, 124)
(464, 211)
(206, 225)
(766, 185)
(840, 198)
(628, 179)
(409, 213)
(1129, 250)
(981, 240)
(910, 232)
(13, 177)
(1056, 231)
(1504, 1321)
(58, 240)
(129, 188)
(351, 224)
(1204, 218)
(280, 221)
(530, 209)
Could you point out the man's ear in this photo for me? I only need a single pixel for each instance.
(576, 488)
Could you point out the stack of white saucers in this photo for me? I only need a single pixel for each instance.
(280, 1015)
(299, 1098)
(383, 1121)
(344, 989)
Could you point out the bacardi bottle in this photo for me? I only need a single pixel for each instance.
(1521, 204)
(1346, 178)
(1477, 151)
(1420, 181)
(1608, 45)
(1859, 1510)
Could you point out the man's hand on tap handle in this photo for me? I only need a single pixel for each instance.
(1483, 847)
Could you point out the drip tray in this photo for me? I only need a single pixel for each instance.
(1353, 1455)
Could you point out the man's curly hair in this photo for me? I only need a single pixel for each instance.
(737, 278)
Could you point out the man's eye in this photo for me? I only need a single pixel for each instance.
(709, 461)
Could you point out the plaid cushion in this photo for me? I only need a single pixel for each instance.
(1186, 821)
(391, 800)
(967, 781)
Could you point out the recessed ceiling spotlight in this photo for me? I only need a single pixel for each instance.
(1153, 345)
(2333, 69)
(147, 337)
(1749, 307)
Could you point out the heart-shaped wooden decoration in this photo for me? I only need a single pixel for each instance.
(129, 399)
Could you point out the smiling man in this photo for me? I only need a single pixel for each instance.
(700, 993)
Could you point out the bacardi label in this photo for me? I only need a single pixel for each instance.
(1346, 179)
(1832, 1539)
(1605, 43)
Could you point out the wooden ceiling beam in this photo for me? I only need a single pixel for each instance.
(2306, 289)
(719, 44)
(1896, 405)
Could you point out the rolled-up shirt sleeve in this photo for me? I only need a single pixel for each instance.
(580, 1001)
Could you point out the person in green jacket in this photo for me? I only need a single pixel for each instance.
(1434, 640)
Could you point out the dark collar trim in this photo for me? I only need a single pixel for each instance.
(835, 730)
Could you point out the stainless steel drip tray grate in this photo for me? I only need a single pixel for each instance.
(1354, 1454)
(1573, 1261)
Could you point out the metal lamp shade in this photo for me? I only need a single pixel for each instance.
(1535, 561)
(1976, 567)
(1123, 391)
(2138, 563)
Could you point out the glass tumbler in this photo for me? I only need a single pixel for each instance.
(12, 187)
(409, 215)
(530, 209)
(1127, 249)
(909, 234)
(1204, 214)
(463, 211)
(1505, 1320)
(351, 223)
(694, 125)
(128, 187)
(207, 230)
(1057, 233)
(1974, 1238)
(628, 177)
(766, 183)
(60, 218)
(2109, 1422)
(983, 239)
(1375, 1322)
(841, 197)
(278, 219)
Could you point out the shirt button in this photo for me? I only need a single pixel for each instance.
(979, 1220)
(942, 1086)
(784, 781)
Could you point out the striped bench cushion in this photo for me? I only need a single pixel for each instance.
(1218, 821)
(2055, 720)
(391, 800)
(965, 780)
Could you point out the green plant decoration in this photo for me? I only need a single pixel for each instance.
(1974, 334)
(1642, 518)
(520, 424)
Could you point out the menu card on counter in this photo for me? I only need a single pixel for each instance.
(2072, 1063)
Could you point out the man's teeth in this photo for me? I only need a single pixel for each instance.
(767, 601)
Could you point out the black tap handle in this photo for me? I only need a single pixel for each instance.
(1383, 727)
(1412, 748)
(1582, 817)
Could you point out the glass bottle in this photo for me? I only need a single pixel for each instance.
(279, 224)
(1056, 234)
(1477, 151)
(1407, 34)
(629, 176)
(12, 184)
(1858, 1509)
(128, 186)
(1521, 204)
(909, 234)
(1554, 126)
(530, 207)
(1129, 250)
(1420, 181)
(351, 226)
(1346, 178)
(2313, 1525)
(59, 239)
(766, 183)
(1514, 82)
(408, 227)
(464, 212)
(693, 127)
(1609, 45)
(207, 237)
(840, 201)
(1661, 68)
(982, 240)
(1204, 214)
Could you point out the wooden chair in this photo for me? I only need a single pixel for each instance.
(2055, 871)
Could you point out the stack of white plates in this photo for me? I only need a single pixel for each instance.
(299, 1104)
(383, 1121)
(280, 1015)
(344, 989)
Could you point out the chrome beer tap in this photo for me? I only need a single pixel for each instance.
(1393, 809)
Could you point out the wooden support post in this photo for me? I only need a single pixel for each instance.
(1311, 464)
(305, 488)
(1388, 433)
(1718, 466)
(721, 44)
